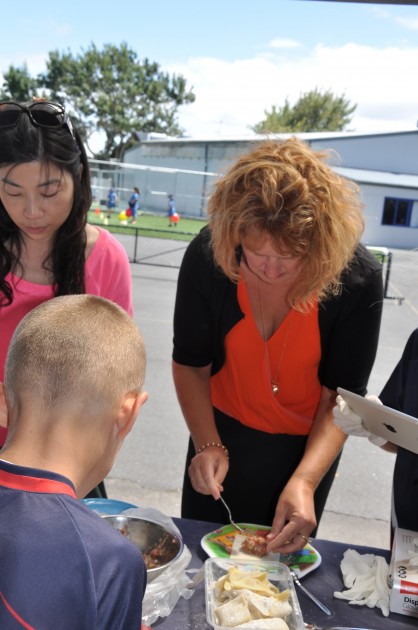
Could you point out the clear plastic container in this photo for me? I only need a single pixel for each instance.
(278, 574)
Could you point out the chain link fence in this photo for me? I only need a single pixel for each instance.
(190, 188)
(142, 246)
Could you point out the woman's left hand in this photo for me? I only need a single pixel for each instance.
(295, 512)
(294, 519)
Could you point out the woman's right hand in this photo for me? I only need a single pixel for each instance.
(208, 468)
(207, 471)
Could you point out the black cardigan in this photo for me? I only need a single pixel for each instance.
(207, 308)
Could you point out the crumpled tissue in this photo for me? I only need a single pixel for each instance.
(366, 579)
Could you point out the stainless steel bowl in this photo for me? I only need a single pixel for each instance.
(149, 537)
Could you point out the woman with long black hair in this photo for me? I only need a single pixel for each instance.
(47, 248)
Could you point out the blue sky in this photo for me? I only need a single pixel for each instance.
(241, 57)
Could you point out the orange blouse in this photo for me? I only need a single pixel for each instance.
(242, 388)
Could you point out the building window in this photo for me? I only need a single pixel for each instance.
(414, 215)
(401, 212)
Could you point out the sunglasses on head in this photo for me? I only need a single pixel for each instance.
(44, 114)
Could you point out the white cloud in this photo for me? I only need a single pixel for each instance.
(385, 14)
(408, 23)
(283, 43)
(232, 95)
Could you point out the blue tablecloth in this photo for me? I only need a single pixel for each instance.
(191, 615)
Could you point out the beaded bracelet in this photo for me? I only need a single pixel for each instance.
(217, 444)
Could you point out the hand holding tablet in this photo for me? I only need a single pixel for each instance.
(377, 419)
(352, 424)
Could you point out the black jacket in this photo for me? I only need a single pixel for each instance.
(207, 308)
(401, 393)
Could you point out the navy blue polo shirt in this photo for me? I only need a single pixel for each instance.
(62, 566)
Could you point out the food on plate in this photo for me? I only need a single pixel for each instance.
(226, 539)
(244, 596)
(228, 542)
(255, 545)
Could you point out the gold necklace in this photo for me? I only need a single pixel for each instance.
(273, 381)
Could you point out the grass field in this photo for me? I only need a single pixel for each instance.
(151, 225)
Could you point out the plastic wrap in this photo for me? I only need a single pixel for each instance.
(163, 593)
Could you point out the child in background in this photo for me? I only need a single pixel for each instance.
(173, 217)
(134, 203)
(112, 200)
(73, 385)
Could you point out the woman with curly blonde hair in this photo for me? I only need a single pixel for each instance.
(277, 305)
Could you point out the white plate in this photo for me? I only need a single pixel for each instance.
(303, 562)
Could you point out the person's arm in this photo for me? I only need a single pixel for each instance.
(349, 327)
(208, 468)
(352, 424)
(295, 513)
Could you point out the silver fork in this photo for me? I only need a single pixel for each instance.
(310, 595)
(230, 518)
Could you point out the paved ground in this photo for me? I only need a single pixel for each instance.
(149, 469)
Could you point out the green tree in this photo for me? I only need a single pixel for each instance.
(18, 84)
(111, 91)
(314, 111)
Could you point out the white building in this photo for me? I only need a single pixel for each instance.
(384, 165)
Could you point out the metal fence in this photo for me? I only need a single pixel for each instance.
(168, 252)
(151, 250)
(190, 188)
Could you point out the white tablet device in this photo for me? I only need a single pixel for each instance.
(394, 426)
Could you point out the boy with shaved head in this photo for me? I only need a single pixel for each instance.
(73, 387)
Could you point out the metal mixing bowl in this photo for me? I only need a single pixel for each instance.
(146, 535)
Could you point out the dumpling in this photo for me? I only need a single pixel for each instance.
(247, 599)
(255, 580)
(234, 613)
(266, 624)
(261, 606)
